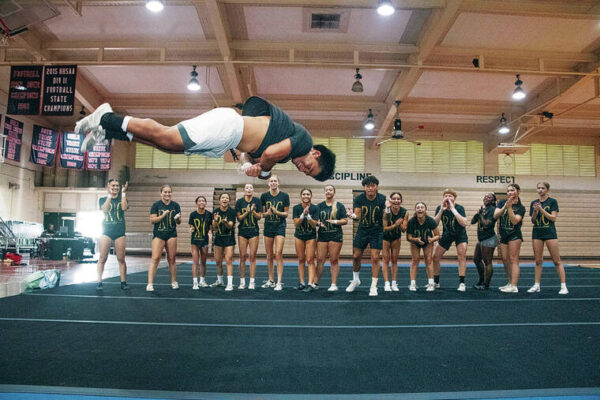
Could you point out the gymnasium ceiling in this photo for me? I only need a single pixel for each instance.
(422, 55)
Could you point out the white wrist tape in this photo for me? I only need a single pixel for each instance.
(302, 216)
(353, 216)
(455, 212)
(264, 174)
(245, 166)
(308, 217)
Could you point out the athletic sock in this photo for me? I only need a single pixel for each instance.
(394, 283)
(413, 282)
(430, 282)
(220, 278)
(563, 285)
(436, 278)
(202, 279)
(374, 282)
(243, 281)
(195, 281)
(229, 280)
(112, 122)
(355, 276)
(251, 280)
(461, 279)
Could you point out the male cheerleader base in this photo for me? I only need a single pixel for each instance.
(263, 133)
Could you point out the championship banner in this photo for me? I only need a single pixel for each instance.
(70, 150)
(25, 90)
(13, 130)
(59, 90)
(98, 157)
(43, 146)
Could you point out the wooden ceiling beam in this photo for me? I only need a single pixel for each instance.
(398, 4)
(580, 9)
(509, 54)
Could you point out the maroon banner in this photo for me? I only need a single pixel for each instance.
(98, 158)
(25, 90)
(13, 130)
(43, 146)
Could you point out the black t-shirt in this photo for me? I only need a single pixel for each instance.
(395, 233)
(279, 202)
(543, 226)
(114, 218)
(250, 223)
(423, 231)
(281, 127)
(167, 225)
(449, 222)
(304, 228)
(484, 231)
(222, 230)
(325, 212)
(201, 224)
(506, 227)
(371, 216)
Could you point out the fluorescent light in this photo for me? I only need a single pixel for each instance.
(155, 5)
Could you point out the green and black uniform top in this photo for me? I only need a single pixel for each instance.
(249, 225)
(506, 228)
(543, 228)
(279, 202)
(331, 232)
(395, 233)
(305, 231)
(222, 231)
(423, 231)
(281, 127)
(167, 227)
(485, 231)
(449, 222)
(113, 224)
(371, 213)
(201, 224)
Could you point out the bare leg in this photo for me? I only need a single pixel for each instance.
(253, 251)
(538, 253)
(552, 245)
(386, 260)
(269, 241)
(195, 260)
(158, 246)
(243, 248)
(334, 259)
(279, 242)
(171, 252)
(394, 252)
(104, 248)
(309, 252)
(322, 248)
(415, 253)
(151, 132)
(514, 250)
(120, 251)
(300, 253)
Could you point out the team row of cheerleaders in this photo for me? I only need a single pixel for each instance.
(318, 235)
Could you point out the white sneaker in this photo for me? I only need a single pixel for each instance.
(94, 136)
(251, 286)
(509, 289)
(203, 284)
(563, 291)
(149, 287)
(354, 283)
(229, 288)
(430, 287)
(216, 284)
(92, 121)
(242, 286)
(332, 288)
(373, 291)
(278, 287)
(462, 287)
(395, 287)
(505, 286)
(413, 287)
(174, 285)
(387, 287)
(195, 286)
(534, 289)
(268, 284)
(437, 286)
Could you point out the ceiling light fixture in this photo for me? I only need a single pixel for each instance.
(385, 8)
(503, 129)
(155, 5)
(357, 86)
(397, 132)
(370, 122)
(518, 94)
(193, 85)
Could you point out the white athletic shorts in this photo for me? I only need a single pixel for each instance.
(213, 133)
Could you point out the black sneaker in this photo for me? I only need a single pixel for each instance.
(124, 286)
(301, 286)
(99, 286)
(479, 286)
(308, 289)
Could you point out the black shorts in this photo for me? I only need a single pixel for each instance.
(271, 232)
(200, 243)
(165, 235)
(504, 239)
(447, 240)
(114, 233)
(304, 238)
(248, 234)
(325, 237)
(544, 234)
(372, 239)
(224, 241)
(391, 238)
